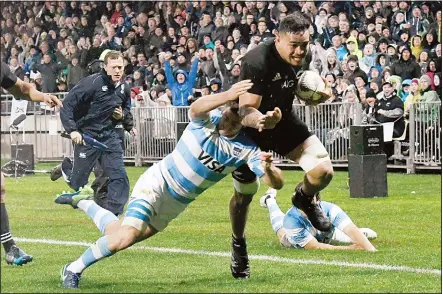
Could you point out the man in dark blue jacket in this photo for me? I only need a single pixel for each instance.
(91, 108)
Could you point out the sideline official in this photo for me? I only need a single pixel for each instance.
(92, 107)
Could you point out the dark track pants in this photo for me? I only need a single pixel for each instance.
(85, 158)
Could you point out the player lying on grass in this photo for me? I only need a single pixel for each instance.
(293, 229)
(212, 146)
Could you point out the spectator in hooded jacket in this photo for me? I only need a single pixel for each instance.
(181, 83)
(405, 67)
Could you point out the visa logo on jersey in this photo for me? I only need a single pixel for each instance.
(210, 162)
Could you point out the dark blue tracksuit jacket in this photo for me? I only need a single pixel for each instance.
(88, 108)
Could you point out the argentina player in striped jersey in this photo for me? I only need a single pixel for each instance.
(212, 146)
(294, 230)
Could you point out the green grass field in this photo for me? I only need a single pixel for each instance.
(408, 223)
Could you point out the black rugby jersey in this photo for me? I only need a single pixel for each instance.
(274, 79)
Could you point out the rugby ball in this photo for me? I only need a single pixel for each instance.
(308, 87)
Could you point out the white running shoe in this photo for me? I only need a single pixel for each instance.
(370, 234)
(270, 193)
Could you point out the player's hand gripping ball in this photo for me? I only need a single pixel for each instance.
(311, 87)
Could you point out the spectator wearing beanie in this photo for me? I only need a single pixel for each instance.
(353, 69)
(215, 85)
(405, 67)
(181, 84)
(382, 46)
(368, 110)
(135, 91)
(404, 93)
(428, 95)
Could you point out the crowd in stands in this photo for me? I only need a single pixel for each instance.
(177, 51)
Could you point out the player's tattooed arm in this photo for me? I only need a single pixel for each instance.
(253, 118)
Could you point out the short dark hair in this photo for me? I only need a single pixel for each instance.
(294, 23)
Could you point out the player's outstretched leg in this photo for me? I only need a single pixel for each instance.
(134, 228)
(13, 254)
(73, 198)
(276, 216)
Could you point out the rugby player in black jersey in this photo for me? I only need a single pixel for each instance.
(19, 89)
(272, 66)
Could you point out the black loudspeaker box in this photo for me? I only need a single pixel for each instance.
(367, 176)
(366, 139)
(25, 154)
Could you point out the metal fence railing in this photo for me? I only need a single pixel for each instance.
(159, 129)
(425, 134)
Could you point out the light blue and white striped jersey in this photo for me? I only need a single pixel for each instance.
(299, 230)
(203, 157)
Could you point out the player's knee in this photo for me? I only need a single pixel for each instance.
(125, 238)
(315, 160)
(240, 200)
(246, 189)
(325, 172)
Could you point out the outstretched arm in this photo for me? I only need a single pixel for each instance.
(26, 90)
(358, 237)
(273, 175)
(314, 244)
(201, 107)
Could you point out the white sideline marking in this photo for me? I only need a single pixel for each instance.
(384, 267)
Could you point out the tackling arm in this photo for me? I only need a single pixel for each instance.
(201, 107)
(358, 237)
(314, 244)
(273, 176)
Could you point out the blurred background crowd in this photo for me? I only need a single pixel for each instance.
(176, 52)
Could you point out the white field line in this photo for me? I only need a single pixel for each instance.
(383, 267)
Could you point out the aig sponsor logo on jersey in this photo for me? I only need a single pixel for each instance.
(287, 84)
(210, 162)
